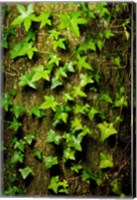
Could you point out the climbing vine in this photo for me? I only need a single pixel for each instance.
(78, 96)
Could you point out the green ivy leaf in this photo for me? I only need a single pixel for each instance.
(67, 97)
(121, 101)
(61, 114)
(81, 108)
(38, 154)
(54, 34)
(17, 110)
(106, 160)
(52, 136)
(73, 141)
(54, 184)
(69, 67)
(50, 161)
(106, 97)
(86, 175)
(19, 144)
(93, 111)
(60, 73)
(53, 58)
(100, 44)
(59, 43)
(68, 154)
(77, 124)
(81, 63)
(55, 83)
(35, 110)
(17, 157)
(25, 172)
(85, 80)
(29, 138)
(108, 33)
(26, 16)
(44, 19)
(7, 101)
(72, 21)
(77, 91)
(49, 103)
(89, 44)
(106, 129)
(15, 125)
(40, 73)
(116, 186)
(76, 167)
(26, 79)
(22, 49)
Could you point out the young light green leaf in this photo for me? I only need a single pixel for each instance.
(54, 34)
(85, 80)
(54, 59)
(50, 161)
(72, 21)
(106, 160)
(54, 184)
(93, 111)
(49, 103)
(44, 19)
(106, 130)
(69, 67)
(26, 16)
(25, 172)
(26, 79)
(67, 97)
(78, 92)
(76, 124)
(40, 73)
(59, 43)
(52, 136)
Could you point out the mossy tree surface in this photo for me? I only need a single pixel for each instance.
(67, 99)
